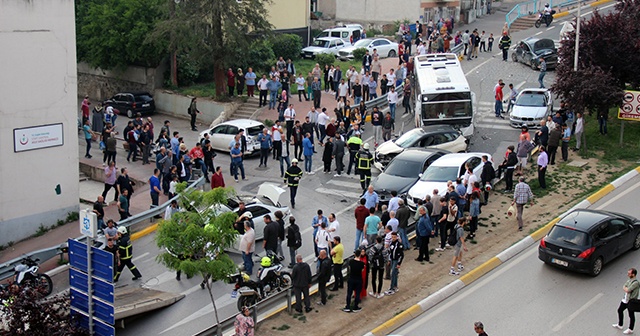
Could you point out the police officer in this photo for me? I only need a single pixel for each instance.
(292, 178)
(125, 254)
(364, 160)
(353, 144)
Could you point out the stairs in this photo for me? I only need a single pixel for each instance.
(246, 110)
(523, 23)
(84, 177)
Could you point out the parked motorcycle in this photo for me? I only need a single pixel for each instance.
(26, 275)
(271, 279)
(546, 19)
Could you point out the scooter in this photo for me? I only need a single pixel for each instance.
(271, 279)
(26, 275)
(546, 19)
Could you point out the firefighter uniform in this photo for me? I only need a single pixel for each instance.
(125, 251)
(292, 177)
(353, 144)
(364, 160)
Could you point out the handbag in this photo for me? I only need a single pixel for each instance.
(633, 305)
(102, 146)
(511, 211)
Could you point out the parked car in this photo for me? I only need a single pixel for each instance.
(222, 134)
(348, 33)
(584, 240)
(433, 136)
(323, 45)
(404, 171)
(446, 168)
(132, 103)
(532, 106)
(385, 48)
(529, 51)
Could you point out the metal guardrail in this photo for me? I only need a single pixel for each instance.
(7, 268)
(534, 6)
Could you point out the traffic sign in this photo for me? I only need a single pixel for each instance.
(88, 223)
(101, 310)
(99, 328)
(630, 109)
(101, 261)
(101, 289)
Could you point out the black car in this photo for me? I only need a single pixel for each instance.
(403, 172)
(132, 103)
(529, 51)
(584, 240)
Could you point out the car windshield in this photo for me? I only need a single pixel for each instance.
(440, 174)
(543, 44)
(255, 130)
(404, 168)
(409, 139)
(143, 97)
(323, 34)
(571, 236)
(362, 43)
(531, 99)
(320, 43)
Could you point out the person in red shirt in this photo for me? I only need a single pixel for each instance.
(197, 156)
(361, 213)
(217, 180)
(85, 109)
(231, 81)
(499, 97)
(400, 53)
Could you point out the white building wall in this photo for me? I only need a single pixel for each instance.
(38, 86)
(378, 10)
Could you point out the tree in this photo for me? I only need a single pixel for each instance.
(216, 30)
(24, 312)
(195, 240)
(113, 33)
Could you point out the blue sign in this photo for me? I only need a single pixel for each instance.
(101, 289)
(101, 310)
(99, 328)
(101, 261)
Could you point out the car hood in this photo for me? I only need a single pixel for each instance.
(314, 49)
(422, 188)
(272, 192)
(389, 147)
(349, 49)
(389, 182)
(529, 111)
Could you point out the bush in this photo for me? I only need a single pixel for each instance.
(260, 57)
(358, 54)
(188, 70)
(287, 46)
(325, 59)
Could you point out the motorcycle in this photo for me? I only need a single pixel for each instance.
(26, 275)
(271, 279)
(546, 19)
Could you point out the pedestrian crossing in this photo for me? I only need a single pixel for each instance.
(486, 117)
(346, 186)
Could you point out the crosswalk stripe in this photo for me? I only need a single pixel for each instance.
(336, 192)
(494, 126)
(353, 185)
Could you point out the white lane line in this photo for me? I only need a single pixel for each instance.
(353, 185)
(140, 257)
(221, 302)
(576, 313)
(552, 27)
(192, 290)
(336, 192)
(520, 85)
(538, 33)
(478, 66)
(620, 195)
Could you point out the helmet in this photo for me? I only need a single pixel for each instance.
(245, 277)
(366, 146)
(294, 161)
(546, 5)
(265, 262)
(247, 214)
(122, 230)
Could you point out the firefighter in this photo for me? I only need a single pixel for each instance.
(353, 144)
(292, 178)
(364, 160)
(125, 254)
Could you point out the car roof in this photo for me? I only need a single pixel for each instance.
(244, 123)
(534, 39)
(456, 159)
(584, 219)
(533, 90)
(135, 93)
(328, 38)
(418, 154)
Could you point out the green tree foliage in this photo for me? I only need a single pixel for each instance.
(113, 33)
(194, 240)
(260, 57)
(325, 59)
(287, 46)
(358, 54)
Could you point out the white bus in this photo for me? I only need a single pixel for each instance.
(442, 94)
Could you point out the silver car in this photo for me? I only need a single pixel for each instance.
(531, 106)
(323, 45)
(223, 133)
(384, 47)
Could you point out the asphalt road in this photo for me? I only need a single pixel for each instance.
(527, 297)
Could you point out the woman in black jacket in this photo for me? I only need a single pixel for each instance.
(327, 155)
(291, 239)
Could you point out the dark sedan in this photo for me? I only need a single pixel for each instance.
(132, 103)
(584, 240)
(403, 172)
(529, 51)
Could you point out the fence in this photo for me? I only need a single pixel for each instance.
(534, 6)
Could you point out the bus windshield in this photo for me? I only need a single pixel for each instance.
(446, 110)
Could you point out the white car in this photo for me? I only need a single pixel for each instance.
(223, 133)
(385, 48)
(532, 106)
(433, 136)
(323, 45)
(446, 168)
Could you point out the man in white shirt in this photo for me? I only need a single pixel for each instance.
(247, 247)
(322, 239)
(393, 202)
(421, 49)
(313, 120)
(334, 226)
(343, 90)
(391, 77)
(323, 119)
(471, 179)
(393, 221)
(579, 130)
(352, 76)
(392, 98)
(289, 118)
(300, 81)
(276, 135)
(262, 86)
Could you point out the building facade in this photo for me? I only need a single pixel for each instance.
(291, 17)
(38, 132)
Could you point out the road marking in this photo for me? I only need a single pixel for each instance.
(336, 192)
(576, 313)
(192, 290)
(554, 26)
(140, 257)
(478, 66)
(354, 185)
(221, 302)
(620, 195)
(521, 84)
(538, 33)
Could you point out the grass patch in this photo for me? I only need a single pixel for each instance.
(302, 318)
(41, 230)
(62, 262)
(607, 147)
(398, 312)
(199, 90)
(73, 216)
(282, 327)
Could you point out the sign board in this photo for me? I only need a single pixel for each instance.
(630, 109)
(37, 137)
(101, 289)
(102, 261)
(99, 328)
(88, 223)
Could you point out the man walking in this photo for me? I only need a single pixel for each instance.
(316, 88)
(307, 151)
(324, 274)
(458, 232)
(338, 154)
(155, 188)
(504, 44)
(292, 177)
(264, 89)
(361, 213)
(237, 161)
(543, 160)
(631, 289)
(521, 196)
(543, 71)
(396, 254)
(193, 112)
(265, 145)
(376, 123)
(354, 284)
(301, 281)
(111, 174)
(424, 231)
(364, 160)
(125, 254)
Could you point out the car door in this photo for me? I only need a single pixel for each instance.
(383, 47)
(119, 102)
(440, 141)
(258, 211)
(526, 54)
(624, 235)
(426, 141)
(218, 135)
(332, 48)
(231, 133)
(605, 242)
(456, 144)
(339, 45)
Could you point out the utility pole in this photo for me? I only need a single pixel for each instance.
(172, 43)
(575, 69)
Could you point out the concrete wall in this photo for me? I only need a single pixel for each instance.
(377, 10)
(38, 86)
(288, 14)
(176, 105)
(102, 84)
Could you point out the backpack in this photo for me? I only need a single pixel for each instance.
(377, 260)
(297, 237)
(452, 239)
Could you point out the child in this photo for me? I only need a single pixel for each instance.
(490, 40)
(172, 186)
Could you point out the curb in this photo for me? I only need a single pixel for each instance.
(593, 4)
(148, 230)
(465, 280)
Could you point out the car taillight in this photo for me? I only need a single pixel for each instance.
(586, 253)
(134, 105)
(543, 244)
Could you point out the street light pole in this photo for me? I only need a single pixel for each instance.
(577, 47)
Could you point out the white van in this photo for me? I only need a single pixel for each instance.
(349, 33)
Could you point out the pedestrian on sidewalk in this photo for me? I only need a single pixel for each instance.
(248, 247)
(543, 71)
(264, 90)
(490, 42)
(338, 154)
(543, 160)
(631, 289)
(289, 118)
(566, 136)
(324, 274)
(292, 177)
(155, 188)
(193, 112)
(377, 257)
(307, 150)
(298, 135)
(276, 134)
(273, 86)
(388, 125)
(424, 230)
(111, 174)
(521, 196)
(217, 179)
(237, 160)
(327, 155)
(337, 253)
(294, 240)
(240, 82)
(244, 324)
(354, 284)
(265, 145)
(498, 99)
(458, 231)
(301, 281)
(483, 42)
(396, 255)
(284, 159)
(312, 125)
(504, 44)
(110, 147)
(250, 81)
(364, 160)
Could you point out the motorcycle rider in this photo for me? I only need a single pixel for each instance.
(547, 14)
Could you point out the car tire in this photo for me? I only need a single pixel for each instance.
(392, 53)
(130, 113)
(514, 57)
(636, 242)
(533, 65)
(596, 267)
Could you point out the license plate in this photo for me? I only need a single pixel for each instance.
(559, 262)
(145, 105)
(234, 294)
